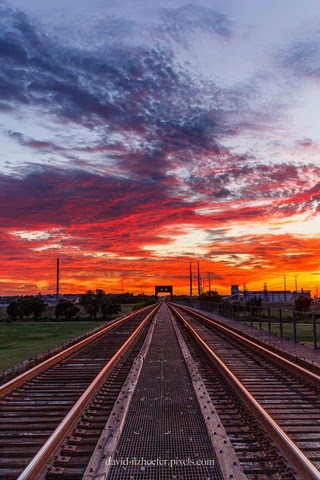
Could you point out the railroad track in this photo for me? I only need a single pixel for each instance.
(54, 416)
(73, 392)
(269, 406)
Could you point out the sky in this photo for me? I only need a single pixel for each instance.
(138, 136)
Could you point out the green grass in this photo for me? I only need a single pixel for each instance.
(304, 331)
(20, 341)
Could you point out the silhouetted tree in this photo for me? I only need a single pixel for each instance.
(13, 310)
(26, 306)
(108, 309)
(126, 297)
(38, 307)
(66, 309)
(210, 297)
(92, 302)
(302, 303)
(254, 303)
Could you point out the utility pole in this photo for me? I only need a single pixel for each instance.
(244, 291)
(296, 283)
(199, 285)
(285, 287)
(190, 279)
(58, 280)
(316, 292)
(209, 279)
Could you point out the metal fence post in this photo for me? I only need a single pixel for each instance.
(260, 322)
(294, 326)
(269, 320)
(280, 323)
(251, 315)
(244, 313)
(314, 331)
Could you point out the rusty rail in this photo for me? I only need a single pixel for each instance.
(39, 462)
(16, 382)
(302, 464)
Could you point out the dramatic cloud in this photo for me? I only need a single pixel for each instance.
(303, 56)
(183, 21)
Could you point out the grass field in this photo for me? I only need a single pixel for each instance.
(304, 331)
(20, 341)
(287, 309)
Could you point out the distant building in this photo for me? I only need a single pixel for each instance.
(266, 295)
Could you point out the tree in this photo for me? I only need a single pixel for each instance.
(26, 306)
(92, 302)
(127, 297)
(66, 309)
(38, 306)
(210, 297)
(108, 309)
(302, 303)
(13, 310)
(255, 303)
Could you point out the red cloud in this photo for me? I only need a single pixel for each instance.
(100, 225)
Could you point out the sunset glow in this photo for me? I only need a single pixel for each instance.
(137, 137)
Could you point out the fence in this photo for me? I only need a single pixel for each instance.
(297, 326)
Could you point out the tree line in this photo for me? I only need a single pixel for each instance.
(96, 303)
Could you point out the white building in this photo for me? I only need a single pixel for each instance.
(266, 295)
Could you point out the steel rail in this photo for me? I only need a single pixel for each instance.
(20, 379)
(293, 367)
(39, 462)
(304, 467)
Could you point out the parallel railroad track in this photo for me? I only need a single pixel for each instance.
(267, 404)
(39, 409)
(52, 416)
